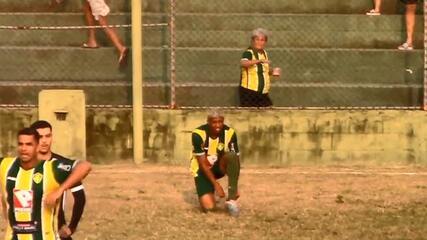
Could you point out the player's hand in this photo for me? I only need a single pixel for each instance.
(51, 198)
(265, 61)
(65, 232)
(219, 190)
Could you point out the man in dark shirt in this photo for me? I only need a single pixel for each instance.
(44, 129)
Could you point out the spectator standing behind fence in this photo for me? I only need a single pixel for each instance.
(255, 72)
(410, 13)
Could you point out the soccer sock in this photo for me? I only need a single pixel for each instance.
(233, 171)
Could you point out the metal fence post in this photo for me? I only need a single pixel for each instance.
(172, 54)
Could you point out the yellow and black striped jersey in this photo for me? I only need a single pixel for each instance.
(212, 148)
(257, 76)
(23, 190)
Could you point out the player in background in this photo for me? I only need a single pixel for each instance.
(215, 154)
(44, 129)
(30, 188)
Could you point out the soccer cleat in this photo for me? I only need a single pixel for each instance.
(232, 208)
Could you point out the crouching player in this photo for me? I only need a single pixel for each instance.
(215, 154)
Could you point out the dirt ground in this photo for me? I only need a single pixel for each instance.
(159, 202)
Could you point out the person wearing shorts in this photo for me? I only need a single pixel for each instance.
(410, 13)
(97, 10)
(411, 8)
(215, 154)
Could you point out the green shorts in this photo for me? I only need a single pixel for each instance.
(203, 185)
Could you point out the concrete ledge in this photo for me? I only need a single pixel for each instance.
(289, 6)
(75, 63)
(288, 30)
(66, 6)
(267, 138)
(95, 95)
(200, 6)
(305, 65)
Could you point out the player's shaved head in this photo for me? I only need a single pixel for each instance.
(215, 113)
(215, 121)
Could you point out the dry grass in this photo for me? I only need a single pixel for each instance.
(159, 202)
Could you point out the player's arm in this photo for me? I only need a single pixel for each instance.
(78, 207)
(3, 197)
(247, 60)
(204, 164)
(79, 172)
(3, 206)
(79, 202)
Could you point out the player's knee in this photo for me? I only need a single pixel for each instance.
(208, 209)
(207, 203)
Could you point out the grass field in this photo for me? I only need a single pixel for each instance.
(159, 202)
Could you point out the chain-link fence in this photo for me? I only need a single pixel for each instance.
(340, 60)
(331, 55)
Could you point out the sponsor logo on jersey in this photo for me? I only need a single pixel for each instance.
(23, 200)
(64, 167)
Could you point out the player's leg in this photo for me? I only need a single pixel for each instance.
(245, 99)
(410, 22)
(229, 164)
(90, 21)
(205, 191)
(265, 100)
(207, 202)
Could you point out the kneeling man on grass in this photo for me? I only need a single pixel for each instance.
(215, 154)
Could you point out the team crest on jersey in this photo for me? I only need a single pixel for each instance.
(64, 167)
(37, 178)
(220, 146)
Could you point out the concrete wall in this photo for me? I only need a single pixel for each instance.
(271, 138)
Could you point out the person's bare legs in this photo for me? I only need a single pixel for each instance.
(410, 23)
(376, 11)
(377, 7)
(90, 21)
(112, 35)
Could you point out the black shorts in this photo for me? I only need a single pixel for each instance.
(203, 185)
(409, 1)
(249, 98)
